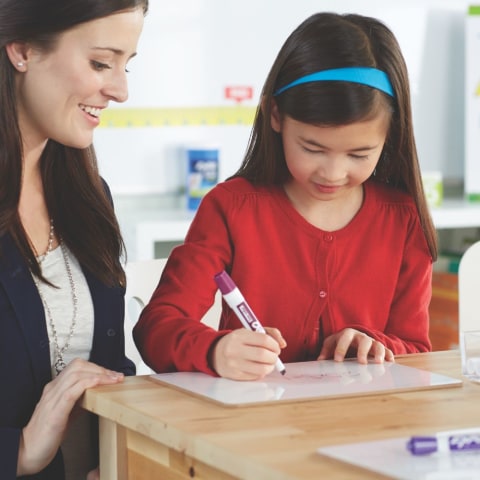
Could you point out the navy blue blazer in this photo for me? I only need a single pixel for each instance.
(25, 356)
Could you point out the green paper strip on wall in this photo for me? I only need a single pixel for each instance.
(474, 10)
(177, 117)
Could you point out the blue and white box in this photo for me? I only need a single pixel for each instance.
(202, 172)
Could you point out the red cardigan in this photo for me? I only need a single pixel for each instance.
(373, 275)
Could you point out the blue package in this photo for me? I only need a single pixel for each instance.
(202, 174)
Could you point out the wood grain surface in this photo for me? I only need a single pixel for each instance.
(150, 431)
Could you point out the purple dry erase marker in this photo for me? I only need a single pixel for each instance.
(446, 442)
(239, 305)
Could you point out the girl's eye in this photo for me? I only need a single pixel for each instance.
(309, 150)
(359, 157)
(99, 66)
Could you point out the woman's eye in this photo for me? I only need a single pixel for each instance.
(359, 157)
(99, 66)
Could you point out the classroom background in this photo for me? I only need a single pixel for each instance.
(196, 83)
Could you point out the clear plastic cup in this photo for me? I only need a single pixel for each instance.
(470, 352)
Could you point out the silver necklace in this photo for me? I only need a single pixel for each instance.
(59, 363)
(51, 236)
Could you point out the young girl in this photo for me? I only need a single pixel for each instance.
(61, 279)
(324, 228)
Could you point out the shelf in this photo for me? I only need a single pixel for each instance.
(456, 213)
(147, 224)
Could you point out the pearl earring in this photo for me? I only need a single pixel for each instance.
(20, 64)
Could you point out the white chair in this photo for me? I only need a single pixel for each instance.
(469, 290)
(142, 279)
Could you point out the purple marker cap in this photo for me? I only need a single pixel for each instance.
(224, 282)
(422, 445)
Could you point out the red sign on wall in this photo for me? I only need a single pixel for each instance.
(239, 93)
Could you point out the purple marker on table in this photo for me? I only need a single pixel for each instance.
(239, 305)
(446, 442)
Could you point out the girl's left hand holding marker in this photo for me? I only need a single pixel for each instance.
(246, 355)
(337, 345)
(43, 434)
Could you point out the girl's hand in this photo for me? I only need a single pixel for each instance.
(43, 434)
(337, 345)
(246, 355)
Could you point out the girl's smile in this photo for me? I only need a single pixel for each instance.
(327, 189)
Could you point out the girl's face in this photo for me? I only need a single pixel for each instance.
(61, 93)
(329, 163)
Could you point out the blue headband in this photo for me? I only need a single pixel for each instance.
(364, 75)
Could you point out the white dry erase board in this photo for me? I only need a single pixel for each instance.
(391, 458)
(308, 381)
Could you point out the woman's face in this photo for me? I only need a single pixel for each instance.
(62, 93)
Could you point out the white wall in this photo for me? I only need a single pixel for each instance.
(191, 49)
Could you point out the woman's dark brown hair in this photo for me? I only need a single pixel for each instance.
(76, 197)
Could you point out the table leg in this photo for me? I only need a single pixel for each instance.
(113, 451)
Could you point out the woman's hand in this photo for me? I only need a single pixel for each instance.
(94, 474)
(337, 345)
(43, 434)
(246, 355)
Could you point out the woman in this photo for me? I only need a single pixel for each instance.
(61, 280)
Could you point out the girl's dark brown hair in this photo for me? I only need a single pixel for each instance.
(327, 41)
(76, 197)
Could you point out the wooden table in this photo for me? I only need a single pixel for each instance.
(150, 431)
